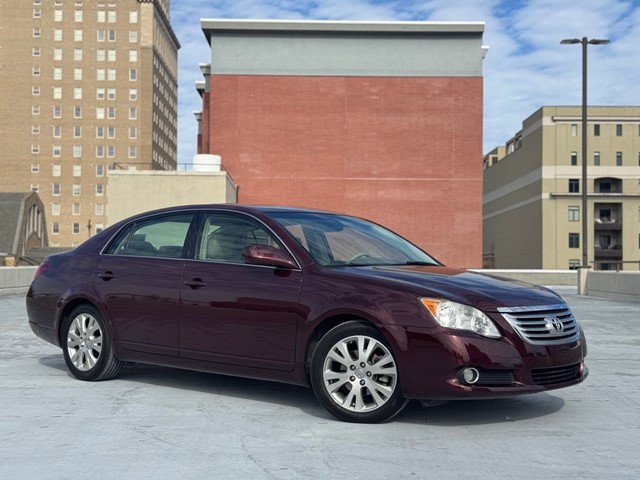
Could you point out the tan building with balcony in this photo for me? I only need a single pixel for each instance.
(87, 87)
(532, 192)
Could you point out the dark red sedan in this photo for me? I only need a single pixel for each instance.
(301, 296)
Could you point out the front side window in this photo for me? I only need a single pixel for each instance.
(224, 235)
(163, 236)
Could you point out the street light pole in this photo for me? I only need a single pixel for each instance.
(584, 41)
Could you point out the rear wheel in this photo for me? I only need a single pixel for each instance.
(355, 376)
(87, 347)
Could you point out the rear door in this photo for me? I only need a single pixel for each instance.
(234, 313)
(138, 278)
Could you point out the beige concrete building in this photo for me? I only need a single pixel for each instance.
(532, 214)
(87, 87)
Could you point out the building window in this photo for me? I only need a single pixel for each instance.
(35, 71)
(37, 13)
(111, 16)
(35, 129)
(76, 190)
(618, 130)
(100, 151)
(100, 132)
(77, 112)
(618, 159)
(99, 190)
(35, 91)
(55, 228)
(57, 54)
(35, 51)
(35, 110)
(57, 15)
(75, 209)
(111, 55)
(100, 113)
(111, 35)
(57, 34)
(35, 187)
(133, 36)
(133, 132)
(77, 131)
(133, 17)
(55, 189)
(596, 158)
(77, 153)
(574, 129)
(57, 131)
(574, 158)
(574, 185)
(111, 93)
(111, 113)
(56, 151)
(100, 95)
(101, 35)
(37, 32)
(133, 113)
(596, 130)
(133, 151)
(99, 170)
(574, 264)
(35, 149)
(77, 54)
(77, 74)
(102, 16)
(77, 35)
(100, 74)
(133, 55)
(111, 151)
(574, 214)
(76, 228)
(101, 54)
(133, 95)
(55, 209)
(111, 74)
(77, 93)
(133, 74)
(111, 131)
(57, 111)
(99, 209)
(574, 240)
(57, 73)
(77, 16)
(35, 168)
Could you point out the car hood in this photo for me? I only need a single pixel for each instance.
(476, 289)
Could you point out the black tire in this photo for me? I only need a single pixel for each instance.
(354, 374)
(86, 345)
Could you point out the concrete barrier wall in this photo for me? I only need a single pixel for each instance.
(537, 277)
(615, 285)
(15, 279)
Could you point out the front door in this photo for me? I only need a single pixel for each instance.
(232, 312)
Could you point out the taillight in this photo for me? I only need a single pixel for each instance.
(43, 267)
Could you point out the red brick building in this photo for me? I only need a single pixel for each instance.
(379, 120)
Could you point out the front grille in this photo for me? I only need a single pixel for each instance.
(543, 325)
(549, 376)
(497, 378)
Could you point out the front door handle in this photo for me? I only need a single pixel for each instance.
(195, 283)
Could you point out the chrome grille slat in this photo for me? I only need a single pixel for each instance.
(533, 324)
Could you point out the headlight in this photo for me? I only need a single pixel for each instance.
(461, 317)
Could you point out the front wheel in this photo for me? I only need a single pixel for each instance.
(355, 376)
(87, 347)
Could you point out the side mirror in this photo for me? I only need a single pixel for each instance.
(268, 256)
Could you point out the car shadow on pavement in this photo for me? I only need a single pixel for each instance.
(451, 414)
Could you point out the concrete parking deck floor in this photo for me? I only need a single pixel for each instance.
(159, 423)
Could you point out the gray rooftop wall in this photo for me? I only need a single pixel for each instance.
(396, 49)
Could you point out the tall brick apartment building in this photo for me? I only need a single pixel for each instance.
(381, 120)
(86, 86)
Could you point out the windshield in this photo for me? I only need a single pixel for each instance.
(337, 240)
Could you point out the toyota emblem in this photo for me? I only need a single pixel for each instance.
(555, 325)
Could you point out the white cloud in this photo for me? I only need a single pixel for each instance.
(526, 66)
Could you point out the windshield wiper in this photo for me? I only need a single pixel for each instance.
(418, 262)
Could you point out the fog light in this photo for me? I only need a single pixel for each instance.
(470, 375)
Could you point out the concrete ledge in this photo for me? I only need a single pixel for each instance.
(15, 279)
(614, 285)
(537, 277)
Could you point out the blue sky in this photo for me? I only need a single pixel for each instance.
(525, 68)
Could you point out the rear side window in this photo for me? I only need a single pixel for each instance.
(163, 236)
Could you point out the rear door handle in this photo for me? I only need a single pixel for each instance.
(195, 283)
(106, 276)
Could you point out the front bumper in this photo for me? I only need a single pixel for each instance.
(431, 364)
